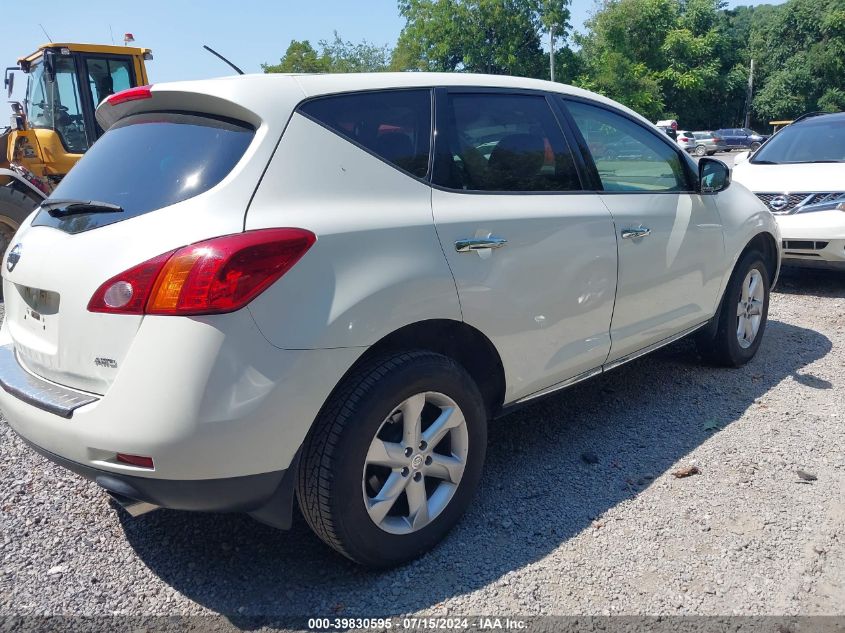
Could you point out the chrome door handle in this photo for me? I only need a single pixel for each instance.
(467, 246)
(640, 231)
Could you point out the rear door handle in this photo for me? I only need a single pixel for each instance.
(640, 231)
(467, 246)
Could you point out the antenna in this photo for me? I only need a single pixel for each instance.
(45, 33)
(111, 33)
(214, 52)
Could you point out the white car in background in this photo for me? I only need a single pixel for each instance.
(800, 175)
(685, 140)
(264, 287)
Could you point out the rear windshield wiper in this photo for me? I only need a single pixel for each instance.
(58, 208)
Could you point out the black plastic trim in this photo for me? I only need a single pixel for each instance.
(231, 494)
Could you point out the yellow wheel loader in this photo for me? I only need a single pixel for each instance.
(54, 124)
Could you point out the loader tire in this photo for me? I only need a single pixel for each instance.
(14, 209)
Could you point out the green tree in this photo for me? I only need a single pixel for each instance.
(300, 57)
(668, 59)
(337, 56)
(800, 52)
(486, 36)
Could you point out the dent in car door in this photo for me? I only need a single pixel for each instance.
(542, 282)
(671, 247)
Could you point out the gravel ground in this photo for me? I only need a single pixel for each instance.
(549, 532)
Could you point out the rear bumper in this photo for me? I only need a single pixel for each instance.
(267, 496)
(207, 399)
(33, 390)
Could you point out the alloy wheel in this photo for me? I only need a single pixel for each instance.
(749, 310)
(415, 463)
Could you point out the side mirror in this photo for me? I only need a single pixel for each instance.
(741, 157)
(10, 84)
(713, 175)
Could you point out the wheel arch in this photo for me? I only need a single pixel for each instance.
(463, 343)
(766, 244)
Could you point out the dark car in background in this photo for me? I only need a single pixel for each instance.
(742, 138)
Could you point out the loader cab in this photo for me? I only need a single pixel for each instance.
(66, 83)
(54, 124)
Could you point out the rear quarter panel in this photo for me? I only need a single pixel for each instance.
(377, 264)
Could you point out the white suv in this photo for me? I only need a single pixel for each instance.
(800, 175)
(263, 288)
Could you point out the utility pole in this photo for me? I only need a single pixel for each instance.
(552, 51)
(748, 97)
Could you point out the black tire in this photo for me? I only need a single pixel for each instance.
(755, 146)
(700, 150)
(723, 347)
(14, 209)
(329, 482)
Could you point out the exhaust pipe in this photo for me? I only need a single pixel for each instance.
(134, 507)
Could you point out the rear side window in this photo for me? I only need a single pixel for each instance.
(502, 142)
(395, 125)
(146, 162)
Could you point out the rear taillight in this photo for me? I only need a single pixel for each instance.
(130, 94)
(683, 139)
(127, 293)
(212, 277)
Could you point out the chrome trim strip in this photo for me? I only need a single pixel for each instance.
(33, 390)
(561, 385)
(652, 347)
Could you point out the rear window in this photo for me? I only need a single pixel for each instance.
(395, 125)
(149, 161)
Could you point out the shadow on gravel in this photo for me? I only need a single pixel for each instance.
(808, 281)
(537, 492)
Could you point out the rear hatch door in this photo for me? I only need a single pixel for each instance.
(178, 175)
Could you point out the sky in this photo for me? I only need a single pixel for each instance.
(248, 32)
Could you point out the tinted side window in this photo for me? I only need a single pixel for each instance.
(394, 125)
(627, 155)
(501, 142)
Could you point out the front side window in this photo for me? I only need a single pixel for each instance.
(627, 155)
(395, 125)
(56, 104)
(502, 142)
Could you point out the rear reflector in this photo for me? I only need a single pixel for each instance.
(212, 277)
(135, 460)
(130, 94)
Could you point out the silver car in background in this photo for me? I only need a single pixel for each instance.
(707, 143)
